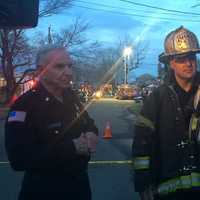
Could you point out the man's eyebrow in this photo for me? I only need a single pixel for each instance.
(64, 63)
(60, 64)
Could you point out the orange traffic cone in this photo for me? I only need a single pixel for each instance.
(107, 131)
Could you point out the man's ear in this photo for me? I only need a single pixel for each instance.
(171, 64)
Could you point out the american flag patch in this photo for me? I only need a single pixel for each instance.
(16, 116)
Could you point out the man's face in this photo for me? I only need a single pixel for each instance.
(184, 67)
(58, 69)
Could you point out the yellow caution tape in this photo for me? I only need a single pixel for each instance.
(4, 162)
(103, 162)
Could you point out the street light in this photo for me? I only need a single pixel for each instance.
(126, 53)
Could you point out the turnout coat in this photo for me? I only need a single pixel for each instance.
(166, 146)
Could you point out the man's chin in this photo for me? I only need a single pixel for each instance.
(188, 77)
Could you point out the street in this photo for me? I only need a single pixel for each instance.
(112, 180)
(110, 168)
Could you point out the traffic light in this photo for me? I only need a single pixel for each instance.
(18, 13)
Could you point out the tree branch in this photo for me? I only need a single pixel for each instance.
(51, 7)
(22, 64)
(24, 74)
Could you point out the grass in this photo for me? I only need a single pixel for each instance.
(135, 108)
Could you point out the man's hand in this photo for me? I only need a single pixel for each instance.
(92, 140)
(147, 194)
(81, 145)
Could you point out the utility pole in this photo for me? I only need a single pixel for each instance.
(125, 70)
(50, 41)
(126, 54)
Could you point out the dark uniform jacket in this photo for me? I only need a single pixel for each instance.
(165, 154)
(38, 137)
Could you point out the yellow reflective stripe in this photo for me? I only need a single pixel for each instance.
(182, 182)
(185, 182)
(194, 122)
(195, 179)
(145, 122)
(141, 162)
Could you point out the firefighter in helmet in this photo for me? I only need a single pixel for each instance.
(166, 145)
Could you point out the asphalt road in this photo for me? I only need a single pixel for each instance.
(109, 180)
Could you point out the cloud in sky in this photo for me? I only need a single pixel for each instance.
(114, 22)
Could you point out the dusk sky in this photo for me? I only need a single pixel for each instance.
(147, 20)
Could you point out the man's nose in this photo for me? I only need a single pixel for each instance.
(189, 63)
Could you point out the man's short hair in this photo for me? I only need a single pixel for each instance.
(44, 51)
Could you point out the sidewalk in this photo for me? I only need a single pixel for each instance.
(2, 148)
(9, 180)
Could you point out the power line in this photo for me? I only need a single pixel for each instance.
(136, 15)
(131, 9)
(196, 5)
(159, 8)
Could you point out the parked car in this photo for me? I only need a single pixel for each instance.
(138, 98)
(105, 90)
(126, 91)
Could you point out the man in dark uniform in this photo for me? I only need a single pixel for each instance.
(166, 146)
(49, 135)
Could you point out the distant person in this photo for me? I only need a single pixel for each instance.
(144, 93)
(49, 136)
(166, 145)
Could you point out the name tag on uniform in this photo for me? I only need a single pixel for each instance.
(17, 116)
(54, 125)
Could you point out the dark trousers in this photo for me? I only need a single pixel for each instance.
(71, 187)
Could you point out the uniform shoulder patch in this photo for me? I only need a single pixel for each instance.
(16, 116)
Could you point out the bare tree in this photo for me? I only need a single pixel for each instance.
(73, 36)
(110, 60)
(81, 48)
(15, 52)
(52, 7)
(139, 50)
(108, 64)
(75, 40)
(139, 54)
